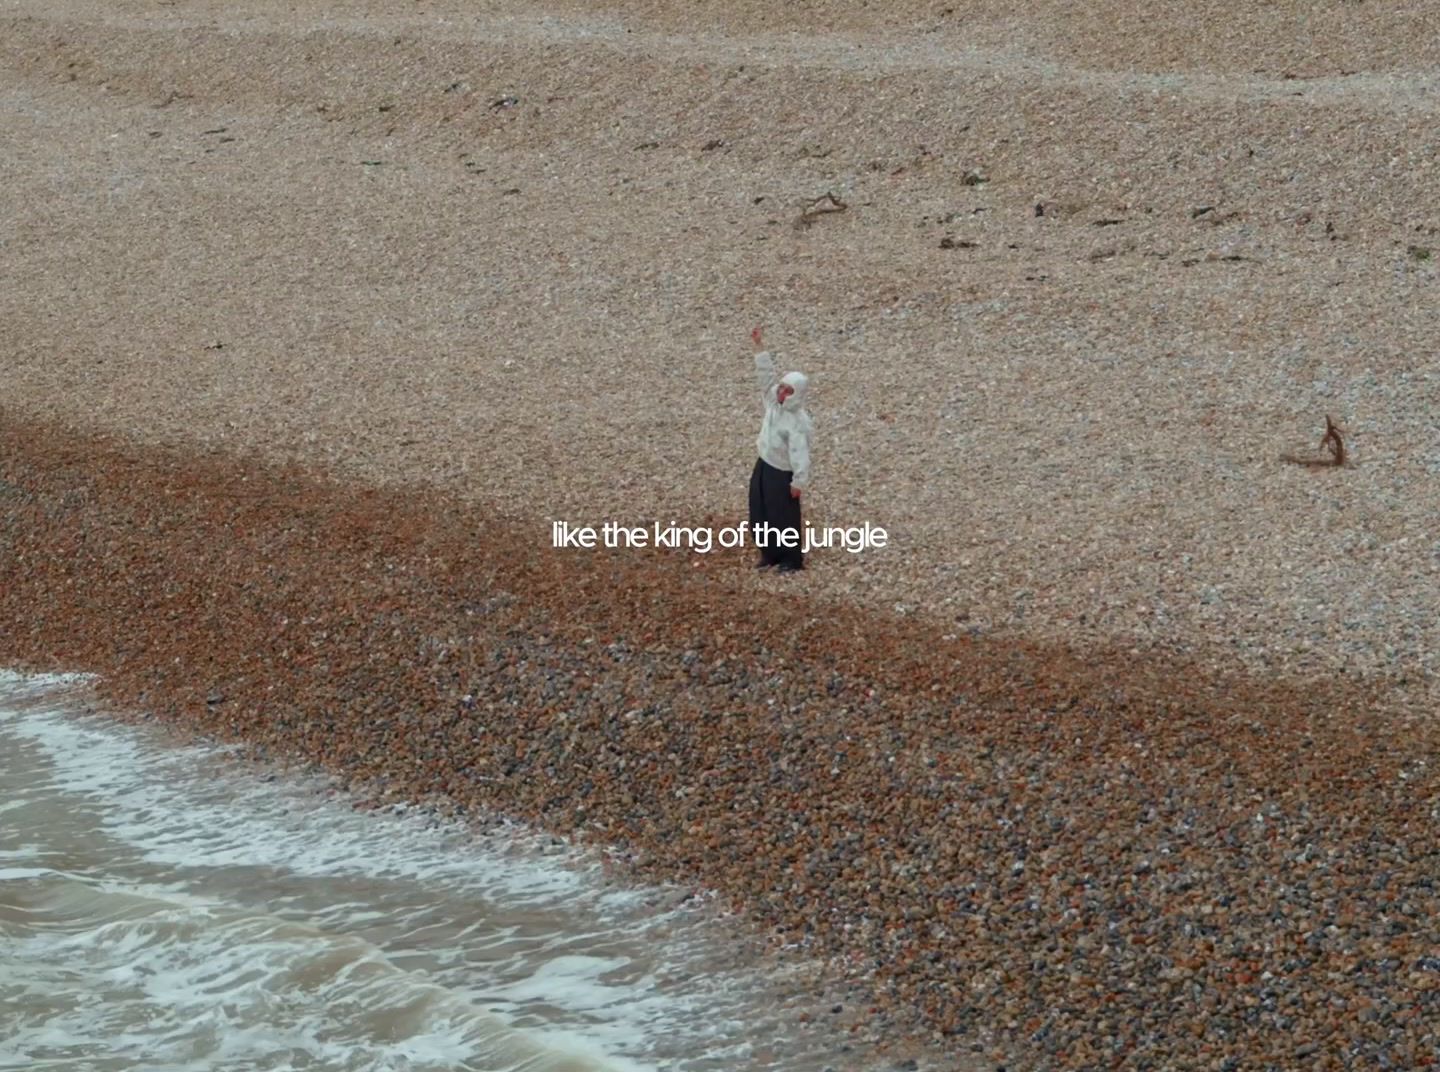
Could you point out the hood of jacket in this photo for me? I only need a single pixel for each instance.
(800, 384)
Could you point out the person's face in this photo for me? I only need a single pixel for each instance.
(783, 392)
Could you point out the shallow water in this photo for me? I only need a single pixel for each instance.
(164, 907)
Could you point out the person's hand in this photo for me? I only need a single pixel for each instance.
(755, 336)
(794, 493)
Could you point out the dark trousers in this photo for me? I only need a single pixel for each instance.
(771, 504)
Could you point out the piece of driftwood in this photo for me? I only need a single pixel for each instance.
(1333, 441)
(819, 207)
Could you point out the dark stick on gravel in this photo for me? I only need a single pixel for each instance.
(1332, 441)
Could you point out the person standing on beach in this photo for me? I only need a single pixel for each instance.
(782, 472)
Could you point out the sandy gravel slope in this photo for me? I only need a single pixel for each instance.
(518, 253)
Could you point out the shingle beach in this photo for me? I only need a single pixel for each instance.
(1120, 755)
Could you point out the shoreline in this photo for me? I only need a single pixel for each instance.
(513, 871)
(996, 834)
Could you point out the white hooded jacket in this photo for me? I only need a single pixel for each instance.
(784, 440)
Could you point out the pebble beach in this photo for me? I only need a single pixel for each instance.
(1120, 753)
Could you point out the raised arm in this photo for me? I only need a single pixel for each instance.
(765, 373)
(764, 364)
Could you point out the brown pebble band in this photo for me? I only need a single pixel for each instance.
(1091, 853)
